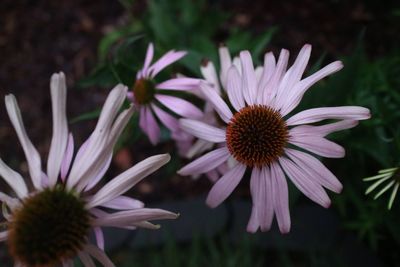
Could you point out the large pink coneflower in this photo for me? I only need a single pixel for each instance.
(261, 136)
(153, 98)
(49, 225)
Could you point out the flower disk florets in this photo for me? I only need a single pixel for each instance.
(48, 228)
(256, 135)
(144, 91)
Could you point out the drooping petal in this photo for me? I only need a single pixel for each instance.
(98, 254)
(280, 198)
(234, 88)
(254, 221)
(179, 84)
(265, 201)
(249, 85)
(153, 130)
(316, 170)
(207, 162)
(99, 235)
(168, 120)
(202, 130)
(268, 71)
(128, 179)
(225, 185)
(219, 105)
(59, 140)
(31, 154)
(180, 106)
(99, 175)
(338, 113)
(318, 145)
(14, 180)
(312, 190)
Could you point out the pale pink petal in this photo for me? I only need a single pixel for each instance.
(219, 105)
(259, 71)
(206, 163)
(280, 197)
(249, 85)
(169, 58)
(100, 137)
(212, 175)
(322, 130)
(98, 233)
(179, 84)
(168, 120)
(98, 176)
(234, 88)
(316, 170)
(98, 254)
(210, 75)
(203, 131)
(254, 221)
(45, 180)
(268, 71)
(14, 180)
(294, 74)
(338, 113)
(265, 202)
(127, 218)
(153, 130)
(31, 154)
(318, 145)
(294, 96)
(67, 159)
(270, 89)
(180, 106)
(59, 140)
(105, 153)
(225, 185)
(225, 63)
(148, 59)
(86, 260)
(312, 190)
(123, 203)
(126, 180)
(198, 148)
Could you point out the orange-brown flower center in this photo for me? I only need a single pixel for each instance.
(144, 91)
(256, 135)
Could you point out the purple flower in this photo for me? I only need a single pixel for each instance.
(260, 134)
(152, 98)
(49, 224)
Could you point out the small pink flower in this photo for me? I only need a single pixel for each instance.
(49, 225)
(150, 96)
(260, 134)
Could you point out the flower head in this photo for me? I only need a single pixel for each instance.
(50, 224)
(389, 176)
(259, 134)
(152, 98)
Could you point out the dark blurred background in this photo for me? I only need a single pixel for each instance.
(38, 38)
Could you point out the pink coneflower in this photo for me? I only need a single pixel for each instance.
(49, 225)
(150, 96)
(261, 136)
